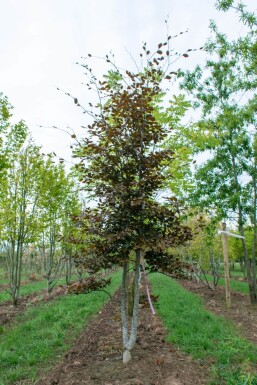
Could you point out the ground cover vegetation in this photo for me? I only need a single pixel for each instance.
(241, 287)
(49, 330)
(32, 287)
(203, 335)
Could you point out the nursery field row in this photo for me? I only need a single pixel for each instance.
(30, 287)
(40, 337)
(205, 336)
(44, 332)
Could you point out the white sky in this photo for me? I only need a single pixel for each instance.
(41, 40)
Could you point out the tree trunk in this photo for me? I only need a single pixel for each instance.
(249, 269)
(131, 293)
(254, 249)
(226, 265)
(14, 270)
(68, 266)
(124, 316)
(128, 343)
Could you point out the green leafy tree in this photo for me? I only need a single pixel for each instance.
(246, 16)
(72, 207)
(224, 91)
(179, 170)
(236, 250)
(12, 136)
(57, 202)
(20, 194)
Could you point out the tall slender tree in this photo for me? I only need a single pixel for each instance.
(122, 166)
(20, 194)
(225, 92)
(57, 203)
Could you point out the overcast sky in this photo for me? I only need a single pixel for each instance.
(41, 41)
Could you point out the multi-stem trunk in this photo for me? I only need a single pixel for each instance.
(129, 337)
(53, 264)
(215, 264)
(16, 253)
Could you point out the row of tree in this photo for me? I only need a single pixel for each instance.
(37, 201)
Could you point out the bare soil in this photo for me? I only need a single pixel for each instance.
(96, 356)
(241, 313)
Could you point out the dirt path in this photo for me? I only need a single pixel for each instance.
(243, 315)
(96, 357)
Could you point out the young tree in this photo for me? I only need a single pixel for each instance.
(245, 50)
(36, 197)
(224, 90)
(12, 136)
(72, 207)
(122, 166)
(57, 202)
(20, 193)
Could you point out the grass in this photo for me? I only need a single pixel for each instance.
(236, 285)
(4, 279)
(235, 273)
(203, 335)
(45, 332)
(29, 288)
(26, 289)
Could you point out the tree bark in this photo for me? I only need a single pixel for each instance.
(124, 317)
(226, 266)
(249, 269)
(254, 249)
(130, 342)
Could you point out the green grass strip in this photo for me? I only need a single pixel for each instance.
(44, 332)
(203, 335)
(241, 287)
(26, 289)
(30, 287)
(235, 273)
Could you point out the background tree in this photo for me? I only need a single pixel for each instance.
(225, 92)
(20, 194)
(72, 206)
(38, 199)
(57, 202)
(178, 173)
(12, 136)
(236, 251)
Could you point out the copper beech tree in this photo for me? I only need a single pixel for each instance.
(122, 165)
